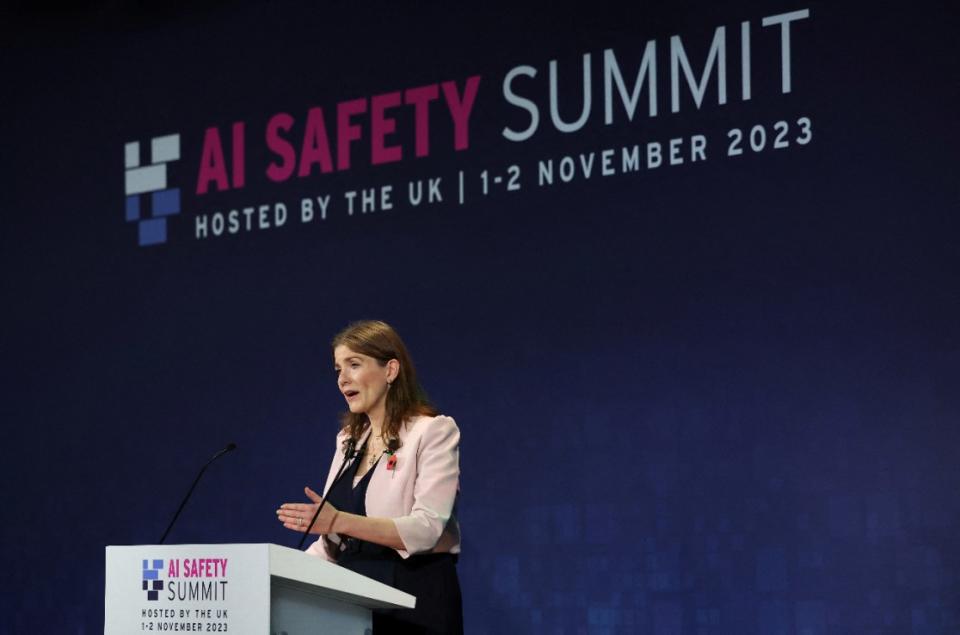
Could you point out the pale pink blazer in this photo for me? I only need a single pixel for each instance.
(419, 493)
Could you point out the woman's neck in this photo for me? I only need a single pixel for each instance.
(376, 424)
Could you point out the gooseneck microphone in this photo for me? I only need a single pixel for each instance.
(230, 447)
(349, 453)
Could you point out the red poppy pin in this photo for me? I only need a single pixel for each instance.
(392, 462)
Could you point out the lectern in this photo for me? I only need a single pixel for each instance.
(243, 589)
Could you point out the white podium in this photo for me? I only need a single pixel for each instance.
(239, 589)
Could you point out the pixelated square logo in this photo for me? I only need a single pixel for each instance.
(152, 584)
(150, 201)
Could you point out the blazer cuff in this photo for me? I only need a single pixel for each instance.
(319, 549)
(417, 533)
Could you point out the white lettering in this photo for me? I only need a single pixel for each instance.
(630, 159)
(385, 192)
(279, 215)
(678, 58)
(350, 195)
(698, 149)
(559, 123)
(520, 102)
(654, 155)
(434, 194)
(415, 196)
(306, 210)
(200, 227)
(745, 60)
(368, 198)
(324, 201)
(606, 162)
(784, 20)
(647, 72)
(675, 158)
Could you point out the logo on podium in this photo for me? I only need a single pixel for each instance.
(152, 583)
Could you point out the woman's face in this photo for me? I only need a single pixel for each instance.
(362, 381)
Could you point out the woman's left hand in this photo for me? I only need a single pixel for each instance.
(297, 516)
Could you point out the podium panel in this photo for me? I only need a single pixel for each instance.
(243, 589)
(294, 610)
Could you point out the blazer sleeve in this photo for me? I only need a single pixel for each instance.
(319, 549)
(435, 488)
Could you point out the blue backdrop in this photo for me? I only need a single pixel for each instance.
(710, 397)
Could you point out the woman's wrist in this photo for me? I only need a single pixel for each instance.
(337, 524)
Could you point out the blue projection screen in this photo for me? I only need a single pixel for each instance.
(685, 274)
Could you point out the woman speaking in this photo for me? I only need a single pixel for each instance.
(391, 515)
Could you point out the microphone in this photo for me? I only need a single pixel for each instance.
(349, 453)
(230, 447)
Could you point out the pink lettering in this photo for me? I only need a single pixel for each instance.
(213, 168)
(281, 147)
(316, 145)
(347, 132)
(460, 109)
(239, 165)
(381, 126)
(421, 98)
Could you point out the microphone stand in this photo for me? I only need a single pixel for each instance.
(349, 454)
(230, 447)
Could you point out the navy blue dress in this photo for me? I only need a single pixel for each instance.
(432, 578)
